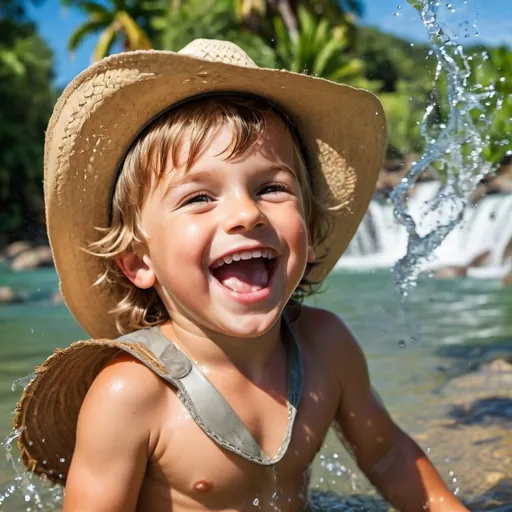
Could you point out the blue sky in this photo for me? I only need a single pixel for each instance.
(488, 21)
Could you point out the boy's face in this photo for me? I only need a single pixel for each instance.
(221, 210)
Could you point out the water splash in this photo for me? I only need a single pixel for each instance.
(34, 493)
(23, 381)
(453, 146)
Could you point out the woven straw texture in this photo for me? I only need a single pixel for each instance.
(48, 410)
(100, 113)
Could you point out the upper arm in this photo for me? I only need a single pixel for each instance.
(113, 436)
(361, 416)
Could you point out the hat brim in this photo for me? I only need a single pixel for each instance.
(98, 115)
(47, 413)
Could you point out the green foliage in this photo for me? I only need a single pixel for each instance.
(318, 50)
(119, 22)
(495, 70)
(27, 100)
(211, 19)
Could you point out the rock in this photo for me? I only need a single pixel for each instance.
(507, 279)
(33, 258)
(481, 260)
(387, 181)
(500, 185)
(507, 253)
(479, 193)
(6, 294)
(450, 272)
(12, 250)
(494, 477)
(9, 296)
(495, 377)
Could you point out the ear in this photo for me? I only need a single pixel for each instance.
(311, 252)
(137, 269)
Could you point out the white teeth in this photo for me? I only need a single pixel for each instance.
(244, 255)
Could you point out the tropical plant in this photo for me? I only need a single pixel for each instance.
(318, 49)
(117, 22)
(211, 19)
(27, 99)
(493, 68)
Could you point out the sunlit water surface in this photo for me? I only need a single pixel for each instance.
(458, 324)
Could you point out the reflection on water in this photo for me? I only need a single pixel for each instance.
(459, 324)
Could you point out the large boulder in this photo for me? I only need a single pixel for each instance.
(9, 296)
(16, 248)
(33, 258)
(499, 183)
(395, 169)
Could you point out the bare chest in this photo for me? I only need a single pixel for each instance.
(191, 471)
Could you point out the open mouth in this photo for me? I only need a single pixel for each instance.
(245, 272)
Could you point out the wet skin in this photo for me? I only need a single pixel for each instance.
(137, 447)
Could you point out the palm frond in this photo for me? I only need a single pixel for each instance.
(105, 42)
(136, 38)
(84, 30)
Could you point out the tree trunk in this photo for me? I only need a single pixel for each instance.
(288, 16)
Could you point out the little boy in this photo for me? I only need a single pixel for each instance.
(193, 200)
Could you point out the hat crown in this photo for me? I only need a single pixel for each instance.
(214, 50)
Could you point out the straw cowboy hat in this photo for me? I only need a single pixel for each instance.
(98, 116)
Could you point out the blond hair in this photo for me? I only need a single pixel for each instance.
(145, 165)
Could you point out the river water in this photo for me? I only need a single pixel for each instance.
(456, 324)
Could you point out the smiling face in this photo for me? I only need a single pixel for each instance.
(227, 242)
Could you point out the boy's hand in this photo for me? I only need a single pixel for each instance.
(391, 460)
(113, 438)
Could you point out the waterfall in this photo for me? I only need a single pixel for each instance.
(484, 233)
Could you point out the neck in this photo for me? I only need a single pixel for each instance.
(211, 349)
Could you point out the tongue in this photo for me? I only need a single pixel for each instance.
(244, 276)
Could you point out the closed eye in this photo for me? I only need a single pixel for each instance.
(274, 188)
(200, 197)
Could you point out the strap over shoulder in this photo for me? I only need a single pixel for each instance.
(208, 407)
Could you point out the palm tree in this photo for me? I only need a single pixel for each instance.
(337, 12)
(316, 49)
(118, 22)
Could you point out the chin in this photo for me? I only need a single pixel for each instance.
(250, 325)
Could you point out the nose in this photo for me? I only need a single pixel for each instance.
(242, 213)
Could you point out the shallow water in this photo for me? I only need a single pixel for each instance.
(455, 324)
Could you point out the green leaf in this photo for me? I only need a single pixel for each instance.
(12, 62)
(105, 42)
(135, 36)
(86, 29)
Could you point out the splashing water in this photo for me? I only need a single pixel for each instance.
(454, 147)
(36, 493)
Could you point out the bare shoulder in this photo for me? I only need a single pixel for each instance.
(329, 336)
(124, 391)
(125, 381)
(117, 427)
(323, 327)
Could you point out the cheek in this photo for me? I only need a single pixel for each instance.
(179, 242)
(295, 230)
